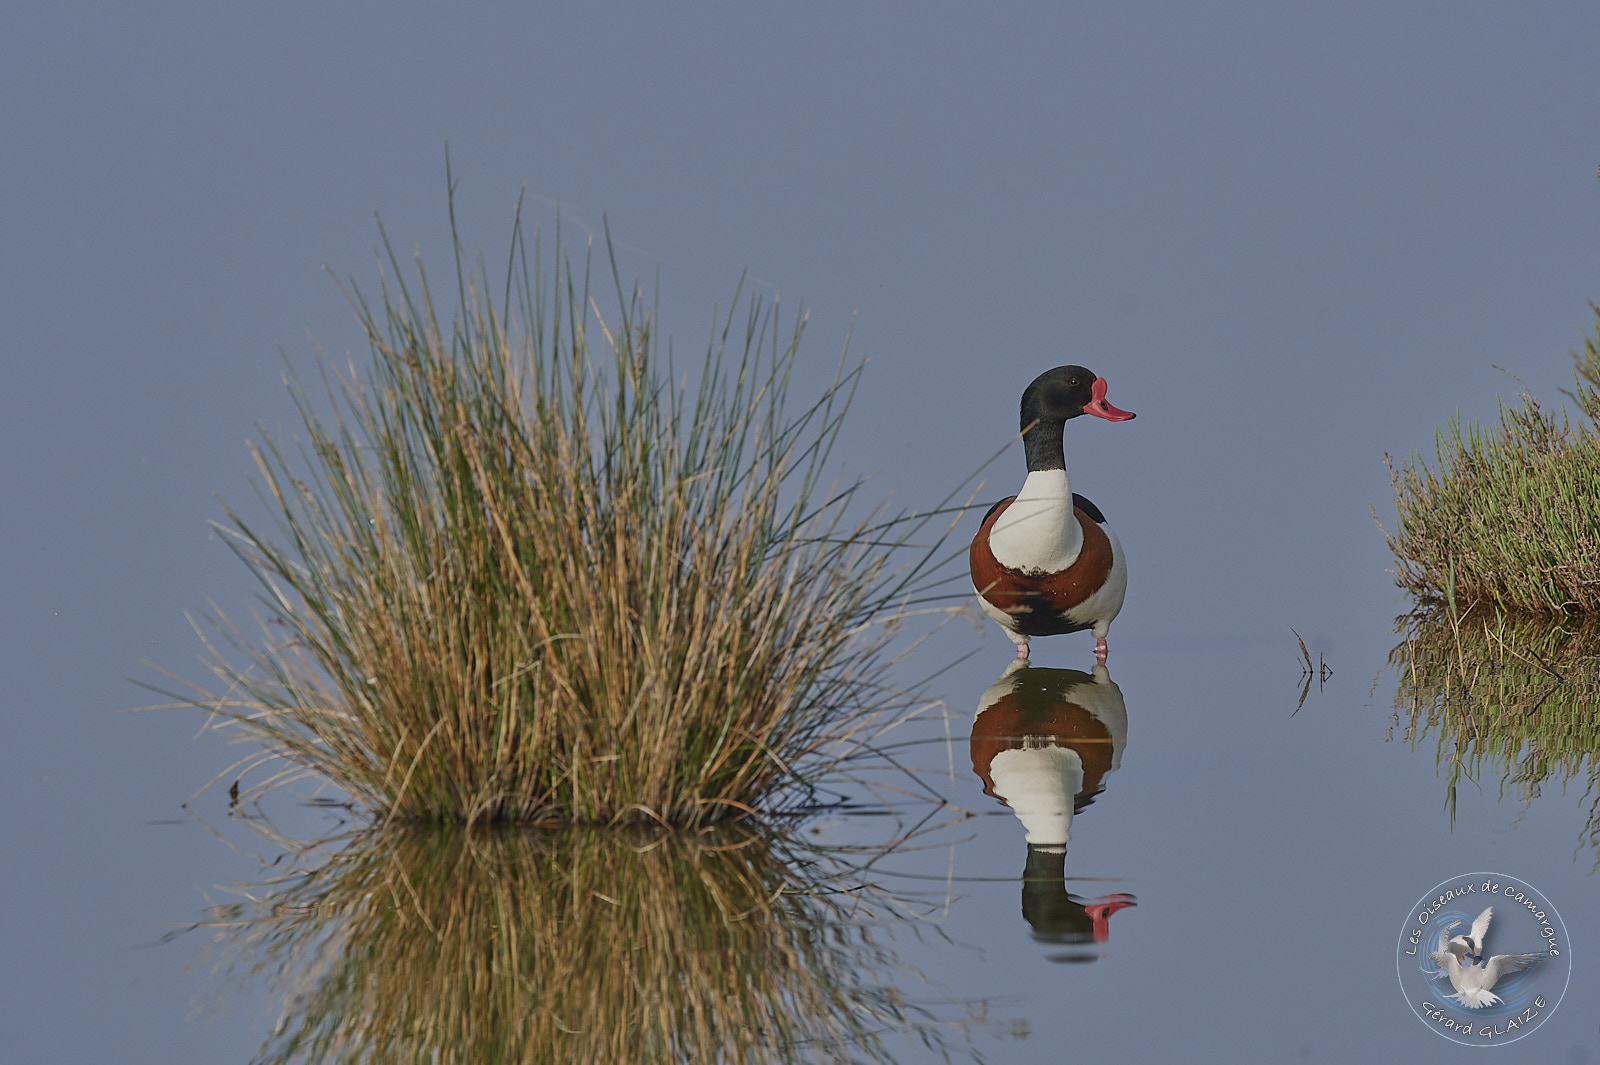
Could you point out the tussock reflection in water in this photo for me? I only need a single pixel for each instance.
(1504, 696)
(1042, 743)
(517, 945)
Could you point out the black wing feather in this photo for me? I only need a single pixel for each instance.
(990, 512)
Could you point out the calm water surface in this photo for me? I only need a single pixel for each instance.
(1188, 868)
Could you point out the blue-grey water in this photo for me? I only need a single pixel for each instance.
(1291, 241)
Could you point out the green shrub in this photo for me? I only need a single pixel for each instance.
(1512, 515)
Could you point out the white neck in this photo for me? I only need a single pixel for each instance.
(1038, 530)
(1039, 784)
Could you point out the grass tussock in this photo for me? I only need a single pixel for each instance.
(525, 570)
(1511, 516)
(584, 945)
(1507, 698)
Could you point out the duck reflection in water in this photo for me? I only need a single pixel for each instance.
(1042, 743)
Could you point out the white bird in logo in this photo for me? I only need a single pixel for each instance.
(1472, 942)
(1473, 982)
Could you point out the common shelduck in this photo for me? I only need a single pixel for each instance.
(1043, 743)
(1044, 561)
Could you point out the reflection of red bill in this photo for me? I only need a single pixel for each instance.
(1101, 910)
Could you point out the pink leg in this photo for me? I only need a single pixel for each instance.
(1022, 651)
(1101, 650)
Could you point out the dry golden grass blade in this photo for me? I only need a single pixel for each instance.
(513, 577)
